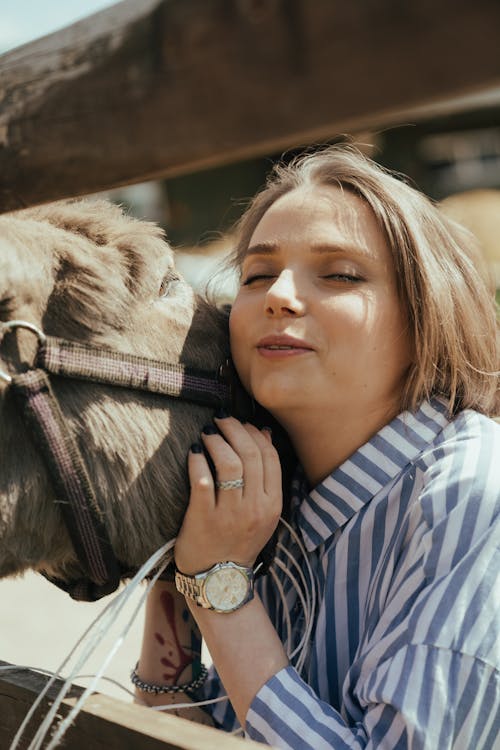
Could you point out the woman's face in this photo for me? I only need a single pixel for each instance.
(317, 323)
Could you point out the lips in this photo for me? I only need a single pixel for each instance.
(283, 343)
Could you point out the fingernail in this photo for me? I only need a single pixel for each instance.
(196, 448)
(268, 432)
(267, 429)
(209, 429)
(221, 414)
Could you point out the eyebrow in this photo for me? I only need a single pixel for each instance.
(272, 248)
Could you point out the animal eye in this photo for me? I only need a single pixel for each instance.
(168, 282)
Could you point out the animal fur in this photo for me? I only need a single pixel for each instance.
(87, 272)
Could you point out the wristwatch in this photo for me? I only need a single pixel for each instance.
(225, 587)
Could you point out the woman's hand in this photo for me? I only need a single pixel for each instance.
(230, 524)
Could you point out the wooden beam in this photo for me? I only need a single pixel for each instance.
(151, 88)
(105, 723)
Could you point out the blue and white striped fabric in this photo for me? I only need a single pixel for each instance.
(403, 540)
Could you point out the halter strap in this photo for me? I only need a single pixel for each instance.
(76, 498)
(86, 362)
(79, 507)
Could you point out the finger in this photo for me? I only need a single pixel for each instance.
(200, 479)
(271, 466)
(249, 452)
(227, 463)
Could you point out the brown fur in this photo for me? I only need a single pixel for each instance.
(87, 272)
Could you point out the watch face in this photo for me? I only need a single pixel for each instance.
(226, 589)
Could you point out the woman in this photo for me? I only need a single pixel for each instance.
(363, 325)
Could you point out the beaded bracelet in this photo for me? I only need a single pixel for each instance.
(148, 687)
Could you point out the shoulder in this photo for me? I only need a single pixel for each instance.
(455, 508)
(461, 467)
(467, 434)
(454, 528)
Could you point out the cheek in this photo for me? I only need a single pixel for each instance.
(369, 321)
(345, 317)
(392, 337)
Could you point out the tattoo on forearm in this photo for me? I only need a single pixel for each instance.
(177, 657)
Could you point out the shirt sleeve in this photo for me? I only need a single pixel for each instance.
(464, 707)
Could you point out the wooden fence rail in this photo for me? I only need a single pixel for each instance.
(104, 723)
(164, 87)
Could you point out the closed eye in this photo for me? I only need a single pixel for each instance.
(342, 277)
(345, 277)
(256, 277)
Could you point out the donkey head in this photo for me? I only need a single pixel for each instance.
(85, 271)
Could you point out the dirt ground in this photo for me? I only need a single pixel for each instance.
(39, 625)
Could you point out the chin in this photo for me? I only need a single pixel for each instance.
(278, 396)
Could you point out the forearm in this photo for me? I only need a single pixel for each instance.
(245, 649)
(231, 521)
(171, 648)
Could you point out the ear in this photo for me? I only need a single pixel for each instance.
(104, 224)
(95, 220)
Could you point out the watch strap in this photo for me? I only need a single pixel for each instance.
(192, 586)
(189, 586)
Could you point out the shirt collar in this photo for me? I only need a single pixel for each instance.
(344, 492)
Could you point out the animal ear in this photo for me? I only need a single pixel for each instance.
(95, 220)
(105, 224)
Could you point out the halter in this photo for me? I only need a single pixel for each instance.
(41, 411)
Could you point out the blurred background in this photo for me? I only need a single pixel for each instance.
(454, 158)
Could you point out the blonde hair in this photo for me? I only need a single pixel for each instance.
(441, 276)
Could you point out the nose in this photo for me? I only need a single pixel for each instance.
(283, 297)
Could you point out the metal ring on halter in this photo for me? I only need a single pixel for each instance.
(230, 484)
(8, 326)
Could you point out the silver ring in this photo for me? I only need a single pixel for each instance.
(230, 484)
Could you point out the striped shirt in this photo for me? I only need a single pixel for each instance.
(403, 541)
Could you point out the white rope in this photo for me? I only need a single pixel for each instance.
(136, 581)
(49, 673)
(281, 565)
(303, 551)
(101, 625)
(312, 612)
(66, 722)
(191, 704)
(288, 621)
(307, 596)
(297, 567)
(308, 609)
(111, 680)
